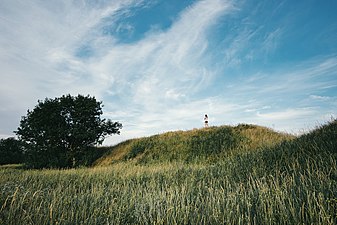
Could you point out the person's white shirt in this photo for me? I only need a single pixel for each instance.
(206, 120)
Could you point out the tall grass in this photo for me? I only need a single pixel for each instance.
(210, 144)
(293, 182)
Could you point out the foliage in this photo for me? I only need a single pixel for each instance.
(11, 151)
(57, 132)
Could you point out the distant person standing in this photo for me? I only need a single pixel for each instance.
(206, 120)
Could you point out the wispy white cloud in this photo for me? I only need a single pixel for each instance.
(306, 78)
(271, 41)
(164, 71)
(163, 61)
(285, 98)
(37, 42)
(286, 115)
(321, 98)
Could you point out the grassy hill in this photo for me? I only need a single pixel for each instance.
(220, 175)
(206, 144)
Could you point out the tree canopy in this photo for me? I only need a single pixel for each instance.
(11, 151)
(58, 131)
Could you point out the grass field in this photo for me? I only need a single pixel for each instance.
(256, 177)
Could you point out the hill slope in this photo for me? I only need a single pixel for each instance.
(207, 144)
(261, 177)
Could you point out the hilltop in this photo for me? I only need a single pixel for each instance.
(206, 144)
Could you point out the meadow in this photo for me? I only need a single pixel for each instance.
(222, 175)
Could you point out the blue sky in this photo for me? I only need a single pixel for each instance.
(160, 65)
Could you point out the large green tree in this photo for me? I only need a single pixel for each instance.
(58, 132)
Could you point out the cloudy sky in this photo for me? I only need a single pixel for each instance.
(160, 65)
